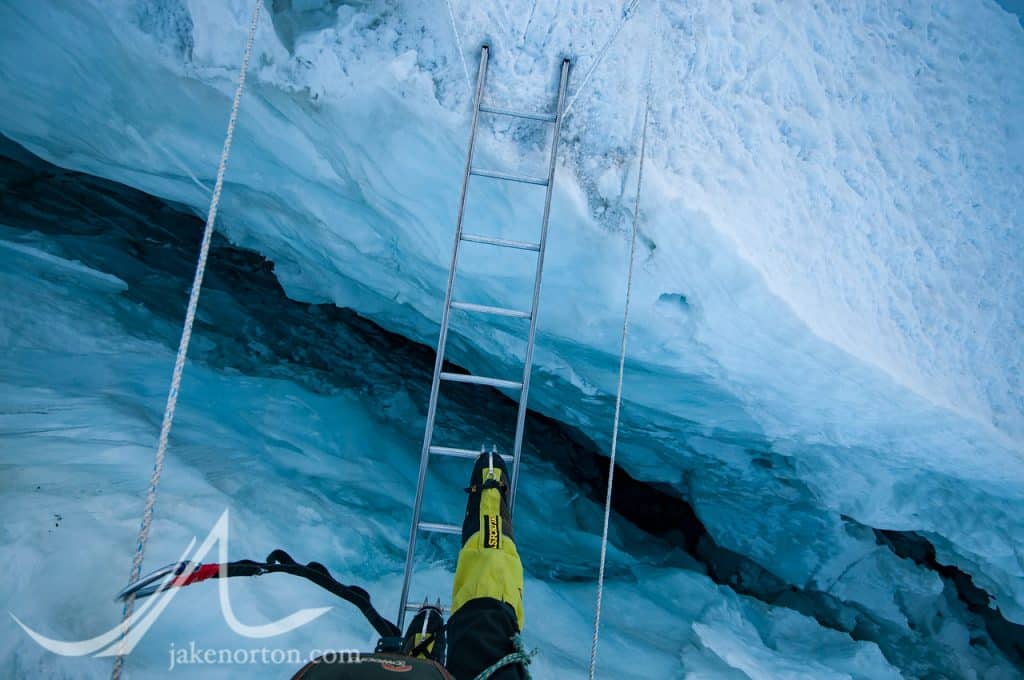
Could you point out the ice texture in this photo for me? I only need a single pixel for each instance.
(829, 299)
(308, 457)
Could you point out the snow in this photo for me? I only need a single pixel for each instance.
(829, 299)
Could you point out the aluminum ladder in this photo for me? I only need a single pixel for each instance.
(523, 386)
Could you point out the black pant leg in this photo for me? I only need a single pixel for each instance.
(479, 634)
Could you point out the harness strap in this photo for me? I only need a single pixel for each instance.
(427, 641)
(490, 483)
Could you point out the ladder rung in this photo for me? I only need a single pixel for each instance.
(410, 607)
(440, 528)
(480, 380)
(504, 243)
(542, 181)
(463, 453)
(518, 114)
(487, 309)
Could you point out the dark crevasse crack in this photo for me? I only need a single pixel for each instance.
(660, 512)
(665, 515)
(1007, 635)
(247, 323)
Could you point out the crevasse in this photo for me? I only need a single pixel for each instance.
(827, 307)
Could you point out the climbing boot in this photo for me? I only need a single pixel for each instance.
(424, 638)
(489, 473)
(488, 568)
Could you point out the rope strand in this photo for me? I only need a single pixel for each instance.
(519, 656)
(618, 389)
(186, 336)
(458, 45)
(627, 14)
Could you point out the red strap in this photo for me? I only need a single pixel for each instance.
(202, 572)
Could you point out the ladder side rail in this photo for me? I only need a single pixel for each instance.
(528, 360)
(441, 343)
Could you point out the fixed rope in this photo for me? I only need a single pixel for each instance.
(618, 389)
(186, 336)
(458, 45)
(627, 14)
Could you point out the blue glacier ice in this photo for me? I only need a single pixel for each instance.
(825, 361)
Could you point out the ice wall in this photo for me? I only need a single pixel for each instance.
(309, 454)
(828, 308)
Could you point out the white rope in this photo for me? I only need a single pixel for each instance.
(627, 14)
(458, 45)
(529, 21)
(618, 389)
(186, 336)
